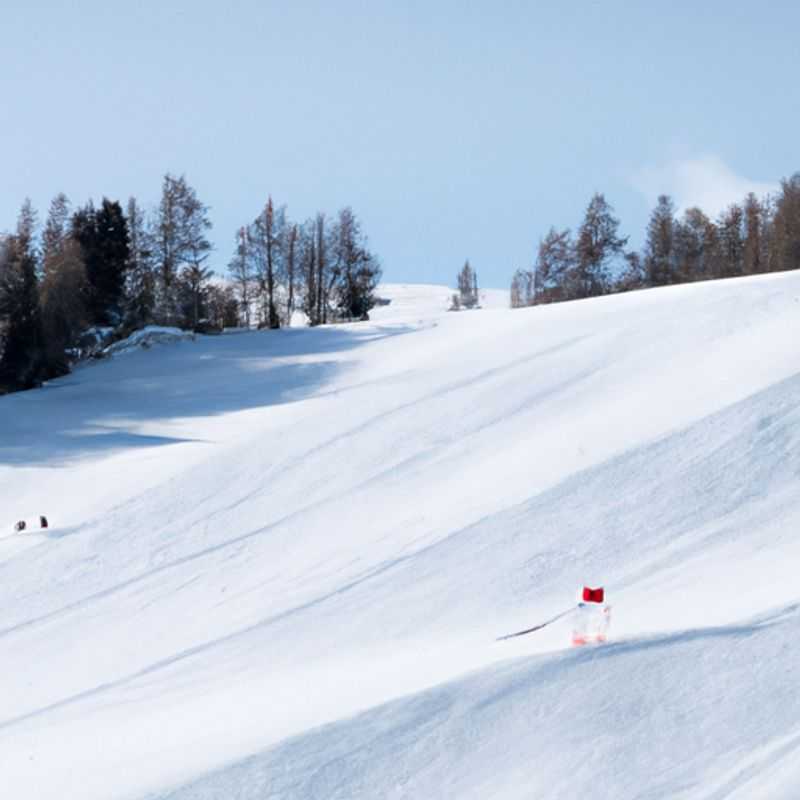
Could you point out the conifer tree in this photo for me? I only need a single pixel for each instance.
(597, 245)
(56, 228)
(659, 260)
(103, 236)
(555, 269)
(22, 362)
(468, 286)
(356, 269)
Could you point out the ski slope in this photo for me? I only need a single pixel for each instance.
(278, 561)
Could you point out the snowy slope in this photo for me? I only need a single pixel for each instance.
(278, 561)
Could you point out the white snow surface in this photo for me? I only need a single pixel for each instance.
(278, 561)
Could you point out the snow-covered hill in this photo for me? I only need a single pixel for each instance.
(278, 561)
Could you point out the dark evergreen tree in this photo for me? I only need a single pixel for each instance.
(22, 359)
(103, 236)
(468, 286)
(357, 270)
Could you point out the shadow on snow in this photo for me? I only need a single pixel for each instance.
(101, 407)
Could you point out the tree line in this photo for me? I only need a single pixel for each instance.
(755, 236)
(322, 267)
(113, 270)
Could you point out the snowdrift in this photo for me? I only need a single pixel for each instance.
(278, 562)
(147, 337)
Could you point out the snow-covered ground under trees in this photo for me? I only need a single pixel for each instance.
(278, 561)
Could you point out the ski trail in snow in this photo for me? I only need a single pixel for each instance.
(748, 777)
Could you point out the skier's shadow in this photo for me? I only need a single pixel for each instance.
(50, 533)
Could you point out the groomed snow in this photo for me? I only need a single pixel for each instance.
(278, 561)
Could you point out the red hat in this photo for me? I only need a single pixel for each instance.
(593, 595)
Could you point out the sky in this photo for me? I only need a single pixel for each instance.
(455, 130)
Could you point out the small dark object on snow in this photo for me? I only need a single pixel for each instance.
(42, 521)
(20, 526)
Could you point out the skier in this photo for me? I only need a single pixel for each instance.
(591, 618)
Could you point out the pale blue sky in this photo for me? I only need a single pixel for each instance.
(454, 129)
